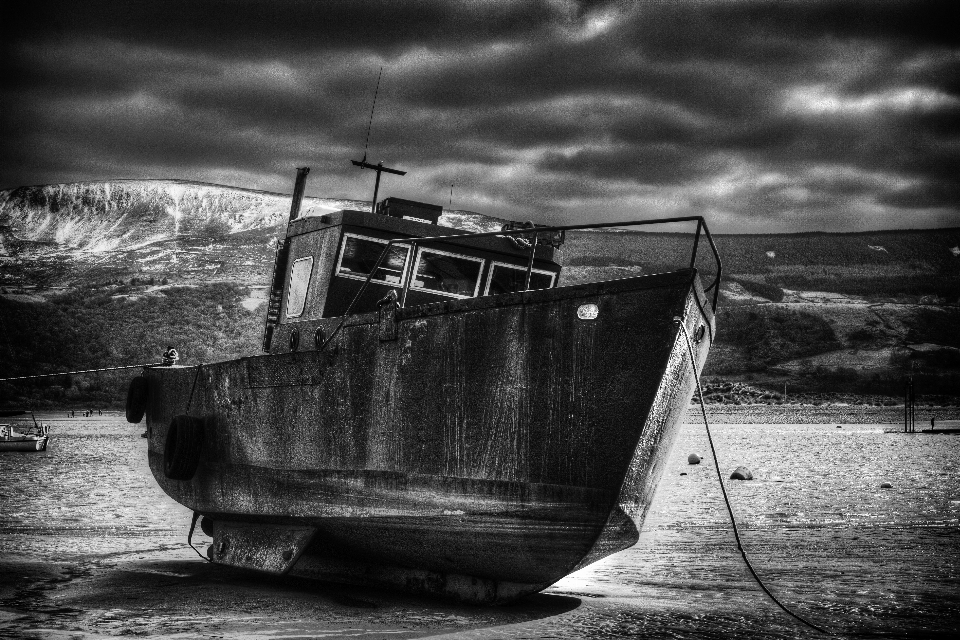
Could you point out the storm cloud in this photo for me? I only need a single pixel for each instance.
(762, 116)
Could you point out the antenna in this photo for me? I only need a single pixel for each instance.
(374, 106)
(379, 168)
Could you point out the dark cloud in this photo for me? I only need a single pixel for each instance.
(766, 116)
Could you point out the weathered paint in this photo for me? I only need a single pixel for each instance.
(498, 442)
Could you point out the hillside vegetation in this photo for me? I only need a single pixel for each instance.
(101, 274)
(115, 326)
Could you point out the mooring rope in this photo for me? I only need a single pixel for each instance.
(723, 489)
(70, 373)
(192, 389)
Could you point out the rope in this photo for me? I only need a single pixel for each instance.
(726, 500)
(190, 399)
(70, 373)
(346, 314)
(193, 524)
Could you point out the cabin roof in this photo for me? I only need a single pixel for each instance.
(403, 228)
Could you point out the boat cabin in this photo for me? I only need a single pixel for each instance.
(324, 261)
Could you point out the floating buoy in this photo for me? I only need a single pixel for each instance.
(741, 473)
(886, 485)
(839, 427)
(693, 459)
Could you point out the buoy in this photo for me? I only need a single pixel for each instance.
(839, 427)
(693, 459)
(741, 473)
(886, 485)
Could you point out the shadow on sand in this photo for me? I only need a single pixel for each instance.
(165, 597)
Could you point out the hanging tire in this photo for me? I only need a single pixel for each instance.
(136, 399)
(181, 454)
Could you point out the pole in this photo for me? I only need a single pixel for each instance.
(379, 168)
(533, 251)
(298, 188)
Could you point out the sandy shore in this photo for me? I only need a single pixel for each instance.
(684, 579)
(167, 594)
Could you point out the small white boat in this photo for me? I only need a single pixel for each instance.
(35, 439)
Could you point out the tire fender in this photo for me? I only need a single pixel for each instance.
(181, 453)
(136, 399)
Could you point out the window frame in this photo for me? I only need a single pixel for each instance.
(355, 276)
(306, 288)
(494, 264)
(416, 266)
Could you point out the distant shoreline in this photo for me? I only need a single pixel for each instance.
(818, 414)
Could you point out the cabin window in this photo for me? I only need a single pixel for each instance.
(359, 254)
(507, 278)
(299, 282)
(448, 274)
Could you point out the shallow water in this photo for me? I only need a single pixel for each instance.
(826, 538)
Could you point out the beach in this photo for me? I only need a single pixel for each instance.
(93, 549)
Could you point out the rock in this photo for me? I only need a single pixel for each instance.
(693, 459)
(683, 473)
(886, 485)
(741, 473)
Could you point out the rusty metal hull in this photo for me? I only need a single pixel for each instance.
(481, 448)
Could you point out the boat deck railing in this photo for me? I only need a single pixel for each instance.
(532, 236)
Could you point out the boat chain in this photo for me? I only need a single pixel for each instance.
(726, 499)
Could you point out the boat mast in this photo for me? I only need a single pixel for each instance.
(379, 168)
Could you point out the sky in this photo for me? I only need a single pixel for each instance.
(773, 116)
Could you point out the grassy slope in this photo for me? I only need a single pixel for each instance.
(91, 328)
(767, 333)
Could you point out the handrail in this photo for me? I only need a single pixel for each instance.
(413, 242)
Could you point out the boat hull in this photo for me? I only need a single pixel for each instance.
(24, 444)
(482, 448)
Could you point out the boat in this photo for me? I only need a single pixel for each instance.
(34, 439)
(432, 411)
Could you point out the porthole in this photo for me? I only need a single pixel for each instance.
(294, 339)
(588, 312)
(318, 338)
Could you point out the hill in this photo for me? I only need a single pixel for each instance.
(99, 274)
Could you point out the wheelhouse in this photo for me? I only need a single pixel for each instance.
(326, 261)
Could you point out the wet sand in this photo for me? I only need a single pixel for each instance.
(857, 560)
